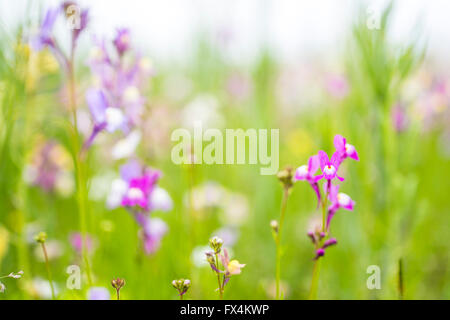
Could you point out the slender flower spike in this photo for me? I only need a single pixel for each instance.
(345, 149)
(338, 200)
(330, 166)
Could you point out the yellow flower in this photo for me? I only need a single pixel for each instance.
(234, 267)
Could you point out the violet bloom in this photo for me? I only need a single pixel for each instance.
(98, 293)
(399, 118)
(306, 172)
(105, 117)
(153, 231)
(122, 40)
(338, 200)
(330, 166)
(44, 36)
(345, 149)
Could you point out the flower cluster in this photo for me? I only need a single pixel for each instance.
(332, 200)
(44, 37)
(229, 267)
(115, 100)
(138, 192)
(182, 285)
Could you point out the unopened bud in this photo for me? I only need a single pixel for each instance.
(40, 237)
(274, 225)
(216, 244)
(286, 177)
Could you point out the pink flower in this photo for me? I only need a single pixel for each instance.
(330, 167)
(345, 149)
(140, 189)
(306, 172)
(338, 200)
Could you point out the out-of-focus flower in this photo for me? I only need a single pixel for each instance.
(122, 41)
(198, 256)
(337, 86)
(116, 101)
(239, 86)
(44, 37)
(152, 232)
(98, 293)
(127, 146)
(41, 289)
(399, 118)
(228, 234)
(76, 241)
(50, 169)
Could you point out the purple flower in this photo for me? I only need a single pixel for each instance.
(98, 293)
(338, 201)
(399, 118)
(44, 36)
(330, 167)
(153, 231)
(306, 172)
(345, 149)
(105, 117)
(122, 40)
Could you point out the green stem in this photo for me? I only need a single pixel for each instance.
(278, 243)
(47, 264)
(400, 279)
(218, 278)
(80, 177)
(315, 280)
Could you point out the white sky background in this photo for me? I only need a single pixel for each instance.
(165, 29)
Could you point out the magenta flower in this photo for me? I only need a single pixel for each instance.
(330, 167)
(345, 149)
(338, 200)
(306, 172)
(140, 189)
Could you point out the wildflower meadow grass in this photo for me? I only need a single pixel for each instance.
(93, 204)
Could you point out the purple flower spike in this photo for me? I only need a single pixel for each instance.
(345, 149)
(139, 190)
(154, 230)
(330, 167)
